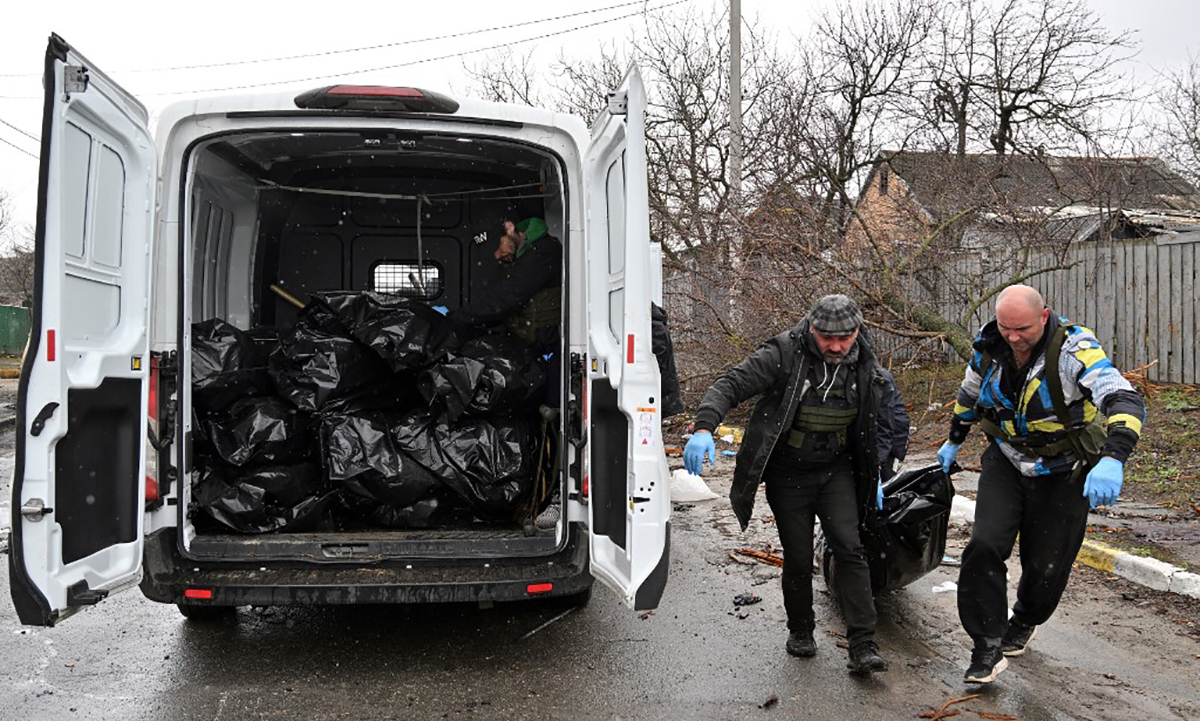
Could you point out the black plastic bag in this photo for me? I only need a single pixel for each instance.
(226, 366)
(358, 453)
(425, 513)
(262, 500)
(495, 463)
(260, 430)
(907, 539)
(407, 334)
(318, 362)
(487, 375)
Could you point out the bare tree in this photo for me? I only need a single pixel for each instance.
(1179, 130)
(1021, 75)
(16, 258)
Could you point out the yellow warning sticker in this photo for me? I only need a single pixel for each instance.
(137, 363)
(647, 410)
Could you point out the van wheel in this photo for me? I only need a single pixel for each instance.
(205, 613)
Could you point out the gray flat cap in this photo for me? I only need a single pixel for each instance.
(835, 315)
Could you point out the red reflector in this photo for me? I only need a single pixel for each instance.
(152, 398)
(151, 488)
(630, 351)
(539, 588)
(201, 593)
(587, 486)
(375, 91)
(50, 345)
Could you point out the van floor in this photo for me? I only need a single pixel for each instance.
(463, 541)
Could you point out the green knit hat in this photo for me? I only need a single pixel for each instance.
(533, 228)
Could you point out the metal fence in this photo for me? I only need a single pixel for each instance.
(14, 329)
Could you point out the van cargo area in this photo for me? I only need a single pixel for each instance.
(340, 399)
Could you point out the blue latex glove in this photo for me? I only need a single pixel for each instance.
(1103, 483)
(946, 455)
(879, 495)
(699, 444)
(441, 309)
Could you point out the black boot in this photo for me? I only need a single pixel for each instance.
(987, 661)
(802, 643)
(1017, 638)
(865, 658)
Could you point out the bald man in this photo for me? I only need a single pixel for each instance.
(1061, 421)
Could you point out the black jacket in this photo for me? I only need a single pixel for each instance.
(776, 371)
(664, 353)
(540, 266)
(894, 424)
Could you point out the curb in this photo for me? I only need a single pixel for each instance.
(1144, 571)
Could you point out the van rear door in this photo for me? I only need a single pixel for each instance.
(79, 477)
(629, 507)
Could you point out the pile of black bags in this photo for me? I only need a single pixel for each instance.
(372, 409)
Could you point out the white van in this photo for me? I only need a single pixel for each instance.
(139, 236)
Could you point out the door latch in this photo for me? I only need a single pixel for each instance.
(618, 103)
(35, 509)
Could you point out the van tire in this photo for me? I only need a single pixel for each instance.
(205, 613)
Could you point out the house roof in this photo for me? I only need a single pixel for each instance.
(943, 182)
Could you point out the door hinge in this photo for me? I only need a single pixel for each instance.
(35, 509)
(75, 80)
(617, 103)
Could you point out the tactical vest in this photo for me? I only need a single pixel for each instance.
(821, 427)
(1084, 439)
(543, 310)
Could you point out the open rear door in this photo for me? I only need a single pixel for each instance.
(629, 506)
(78, 483)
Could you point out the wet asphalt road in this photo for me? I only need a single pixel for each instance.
(129, 658)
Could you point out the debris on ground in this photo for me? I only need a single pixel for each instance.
(746, 599)
(760, 556)
(645, 614)
(948, 560)
(771, 701)
(946, 587)
(942, 713)
(996, 716)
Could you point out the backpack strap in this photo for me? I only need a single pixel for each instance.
(1059, 400)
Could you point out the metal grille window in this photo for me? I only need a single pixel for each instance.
(407, 279)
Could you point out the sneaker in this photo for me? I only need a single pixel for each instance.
(802, 644)
(986, 664)
(865, 658)
(1017, 638)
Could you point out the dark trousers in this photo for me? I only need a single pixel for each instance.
(828, 493)
(1051, 514)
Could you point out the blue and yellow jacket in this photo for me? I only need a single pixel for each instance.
(1025, 427)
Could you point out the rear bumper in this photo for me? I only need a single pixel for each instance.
(167, 575)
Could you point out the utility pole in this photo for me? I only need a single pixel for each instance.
(735, 99)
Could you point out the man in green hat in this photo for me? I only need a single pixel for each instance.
(526, 295)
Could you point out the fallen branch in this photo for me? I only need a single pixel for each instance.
(996, 716)
(943, 713)
(761, 556)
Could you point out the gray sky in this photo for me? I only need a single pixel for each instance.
(125, 38)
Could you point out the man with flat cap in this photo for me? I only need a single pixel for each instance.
(812, 439)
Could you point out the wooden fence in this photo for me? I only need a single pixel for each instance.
(1139, 296)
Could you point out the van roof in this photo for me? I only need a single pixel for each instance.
(286, 102)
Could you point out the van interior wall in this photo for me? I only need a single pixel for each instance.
(254, 226)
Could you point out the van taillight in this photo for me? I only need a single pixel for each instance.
(204, 594)
(152, 399)
(587, 486)
(539, 588)
(376, 97)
